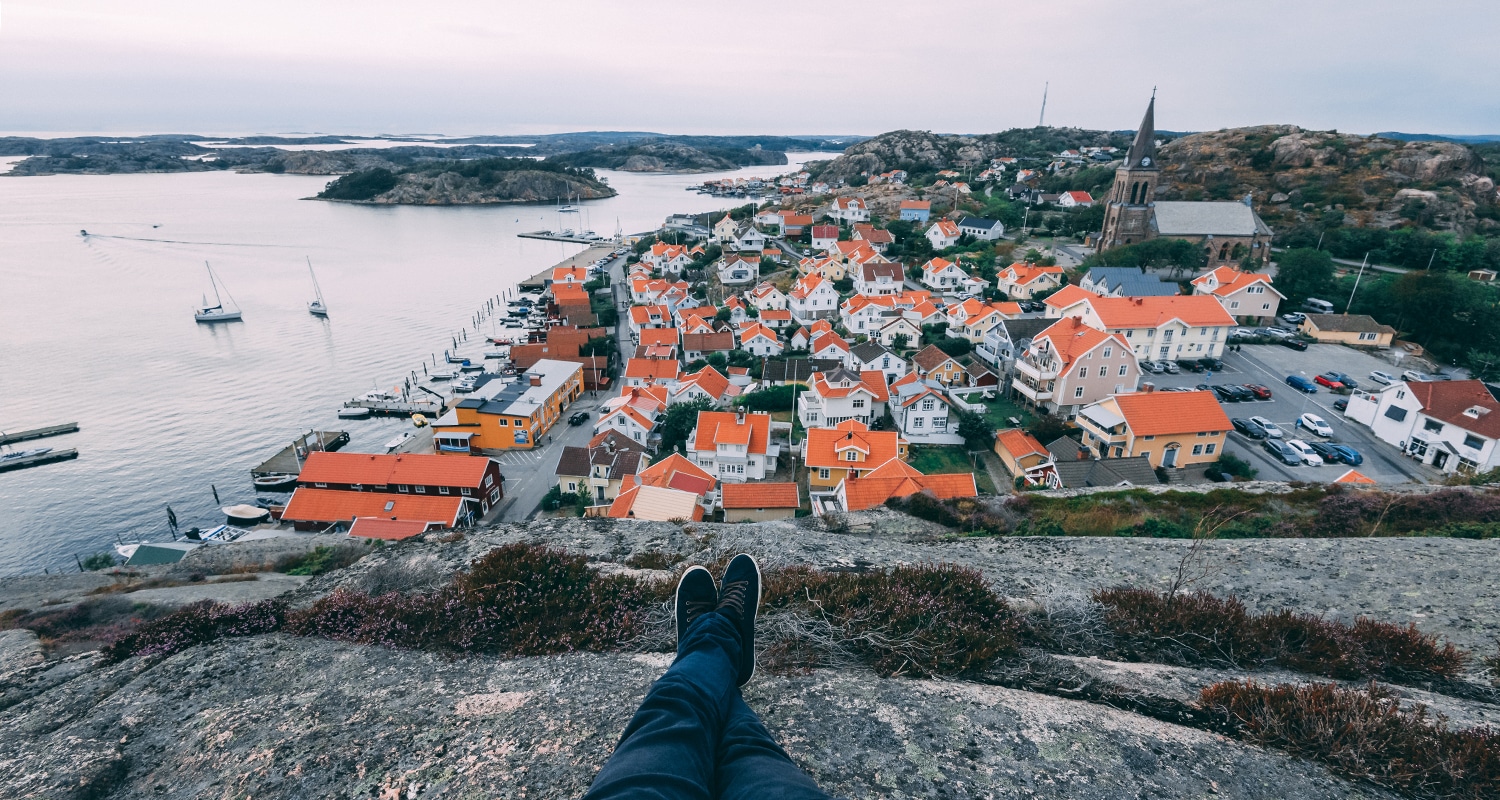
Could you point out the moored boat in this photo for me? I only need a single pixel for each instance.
(244, 515)
(354, 413)
(274, 483)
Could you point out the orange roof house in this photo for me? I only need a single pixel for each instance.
(313, 509)
(677, 472)
(757, 502)
(658, 336)
(655, 504)
(1354, 477)
(375, 472)
(848, 449)
(1171, 429)
(898, 479)
(645, 371)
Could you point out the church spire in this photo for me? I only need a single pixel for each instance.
(1143, 149)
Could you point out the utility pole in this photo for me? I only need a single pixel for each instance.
(1043, 116)
(1361, 274)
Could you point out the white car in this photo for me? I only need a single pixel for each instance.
(1309, 457)
(1383, 378)
(1315, 424)
(1416, 377)
(1268, 426)
(1294, 317)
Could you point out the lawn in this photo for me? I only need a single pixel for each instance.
(781, 416)
(998, 411)
(949, 460)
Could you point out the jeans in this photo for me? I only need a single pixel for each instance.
(693, 738)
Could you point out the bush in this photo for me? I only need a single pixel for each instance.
(197, 624)
(93, 620)
(1200, 628)
(1236, 466)
(98, 561)
(653, 559)
(320, 559)
(772, 398)
(1364, 735)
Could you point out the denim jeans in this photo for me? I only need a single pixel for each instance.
(693, 738)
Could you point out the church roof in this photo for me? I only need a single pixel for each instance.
(1187, 218)
(1145, 138)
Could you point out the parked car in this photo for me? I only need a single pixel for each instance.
(1348, 455)
(1241, 333)
(1190, 365)
(1247, 428)
(1226, 395)
(1309, 457)
(1341, 404)
(1295, 344)
(1203, 387)
(1153, 367)
(1260, 392)
(1242, 394)
(1293, 317)
(1383, 378)
(578, 418)
(1325, 379)
(1212, 363)
(1170, 367)
(1282, 451)
(1315, 424)
(1268, 426)
(1417, 377)
(1263, 332)
(1325, 451)
(1341, 377)
(1301, 384)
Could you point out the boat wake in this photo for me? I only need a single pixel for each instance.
(88, 235)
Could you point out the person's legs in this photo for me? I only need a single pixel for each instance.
(751, 765)
(669, 747)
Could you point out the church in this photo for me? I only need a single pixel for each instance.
(1228, 231)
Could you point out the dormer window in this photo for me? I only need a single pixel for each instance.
(1475, 412)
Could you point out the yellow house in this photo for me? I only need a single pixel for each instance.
(514, 415)
(829, 267)
(1172, 429)
(934, 364)
(1355, 330)
(847, 450)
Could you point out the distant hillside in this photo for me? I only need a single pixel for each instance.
(666, 156)
(1436, 137)
(924, 151)
(1294, 175)
(477, 182)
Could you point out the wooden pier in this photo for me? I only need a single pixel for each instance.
(549, 236)
(36, 461)
(289, 460)
(584, 259)
(404, 407)
(38, 433)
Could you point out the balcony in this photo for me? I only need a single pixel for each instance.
(1035, 392)
(1036, 372)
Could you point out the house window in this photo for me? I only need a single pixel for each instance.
(927, 405)
(823, 473)
(1083, 372)
(504, 423)
(1122, 370)
(1078, 392)
(1432, 425)
(1401, 395)
(1103, 371)
(1197, 449)
(572, 487)
(443, 490)
(1396, 413)
(1209, 449)
(421, 490)
(858, 403)
(852, 455)
(466, 492)
(918, 422)
(1109, 351)
(1234, 304)
(489, 480)
(403, 488)
(1473, 442)
(355, 487)
(320, 486)
(939, 422)
(1467, 467)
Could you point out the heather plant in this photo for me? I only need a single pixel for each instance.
(1199, 628)
(196, 624)
(1363, 734)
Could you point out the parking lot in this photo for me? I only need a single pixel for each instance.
(1269, 365)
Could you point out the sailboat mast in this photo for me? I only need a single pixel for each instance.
(215, 283)
(316, 288)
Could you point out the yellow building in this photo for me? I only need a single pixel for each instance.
(847, 450)
(1355, 330)
(1172, 429)
(512, 415)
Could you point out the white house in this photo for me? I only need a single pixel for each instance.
(1245, 295)
(770, 218)
(923, 412)
(748, 239)
(738, 270)
(872, 356)
(759, 340)
(734, 446)
(725, 230)
(825, 237)
(634, 413)
(842, 394)
(943, 234)
(849, 209)
(942, 275)
(980, 228)
(899, 326)
(814, 298)
(1452, 426)
(830, 346)
(705, 384)
(877, 279)
(765, 297)
(1155, 328)
(669, 258)
(1074, 199)
(642, 317)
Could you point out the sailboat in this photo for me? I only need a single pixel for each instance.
(216, 312)
(569, 208)
(317, 307)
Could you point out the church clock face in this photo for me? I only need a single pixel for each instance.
(1146, 162)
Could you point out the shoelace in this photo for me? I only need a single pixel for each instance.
(733, 597)
(697, 608)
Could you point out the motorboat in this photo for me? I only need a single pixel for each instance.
(216, 312)
(382, 396)
(440, 376)
(35, 451)
(397, 442)
(359, 412)
(469, 366)
(454, 358)
(244, 515)
(276, 483)
(496, 354)
(465, 385)
(316, 307)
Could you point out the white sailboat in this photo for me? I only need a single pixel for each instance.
(568, 208)
(317, 307)
(216, 312)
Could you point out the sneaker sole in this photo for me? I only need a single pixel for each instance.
(758, 582)
(677, 596)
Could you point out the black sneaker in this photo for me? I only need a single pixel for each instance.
(696, 595)
(739, 599)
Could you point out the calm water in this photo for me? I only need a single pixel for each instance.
(100, 330)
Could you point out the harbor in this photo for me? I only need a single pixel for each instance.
(550, 236)
(37, 433)
(25, 458)
(288, 461)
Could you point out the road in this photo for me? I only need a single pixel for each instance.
(529, 474)
(1269, 365)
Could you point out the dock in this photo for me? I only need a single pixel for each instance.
(289, 460)
(38, 433)
(36, 461)
(549, 236)
(584, 259)
(404, 407)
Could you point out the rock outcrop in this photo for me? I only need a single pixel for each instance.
(282, 716)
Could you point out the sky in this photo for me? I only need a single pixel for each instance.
(767, 67)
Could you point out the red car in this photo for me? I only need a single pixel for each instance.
(1260, 392)
(1329, 382)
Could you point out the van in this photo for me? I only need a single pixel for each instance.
(1317, 306)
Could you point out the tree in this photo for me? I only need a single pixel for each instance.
(678, 423)
(1047, 428)
(718, 361)
(976, 430)
(771, 398)
(1304, 273)
(1482, 366)
(723, 314)
(1177, 255)
(954, 346)
(900, 342)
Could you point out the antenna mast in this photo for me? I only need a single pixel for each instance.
(1043, 115)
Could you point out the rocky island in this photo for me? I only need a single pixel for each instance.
(452, 182)
(666, 156)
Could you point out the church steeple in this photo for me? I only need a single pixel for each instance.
(1143, 149)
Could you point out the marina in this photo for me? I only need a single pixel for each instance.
(288, 461)
(549, 236)
(7, 437)
(34, 458)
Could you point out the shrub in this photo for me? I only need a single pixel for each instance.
(1364, 735)
(1199, 628)
(197, 624)
(1236, 466)
(320, 559)
(98, 561)
(653, 559)
(93, 620)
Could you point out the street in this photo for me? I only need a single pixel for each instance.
(1268, 365)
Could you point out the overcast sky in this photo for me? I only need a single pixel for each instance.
(768, 66)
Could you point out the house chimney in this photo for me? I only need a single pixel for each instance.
(1085, 454)
(1148, 387)
(609, 446)
(536, 380)
(739, 417)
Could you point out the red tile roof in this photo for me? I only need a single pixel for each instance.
(723, 426)
(825, 232)
(652, 368)
(665, 471)
(382, 470)
(761, 495)
(1019, 443)
(863, 493)
(386, 529)
(331, 505)
(1162, 413)
(1071, 339)
(825, 446)
(658, 336)
(1448, 400)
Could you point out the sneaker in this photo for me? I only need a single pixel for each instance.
(739, 599)
(696, 595)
